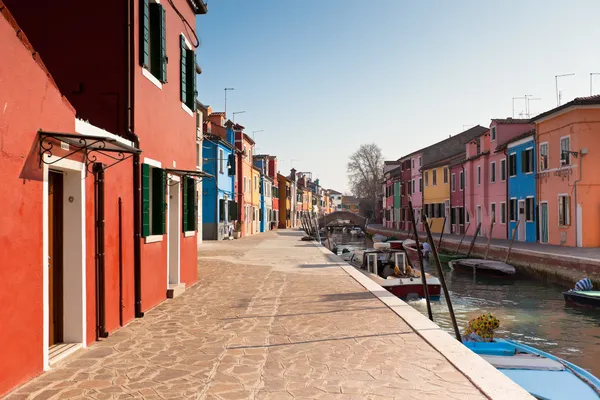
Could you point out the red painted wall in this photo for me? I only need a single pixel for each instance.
(167, 134)
(29, 100)
(94, 82)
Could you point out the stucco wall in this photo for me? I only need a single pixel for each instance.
(28, 101)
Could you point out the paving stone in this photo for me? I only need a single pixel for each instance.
(260, 325)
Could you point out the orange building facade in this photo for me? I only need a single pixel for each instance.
(567, 186)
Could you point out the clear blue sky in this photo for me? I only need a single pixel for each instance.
(322, 77)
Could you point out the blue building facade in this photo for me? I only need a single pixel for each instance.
(521, 198)
(260, 163)
(219, 206)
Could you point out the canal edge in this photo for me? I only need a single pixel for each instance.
(491, 382)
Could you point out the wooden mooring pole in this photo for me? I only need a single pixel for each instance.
(487, 249)
(443, 282)
(512, 241)
(462, 238)
(441, 233)
(420, 254)
(474, 239)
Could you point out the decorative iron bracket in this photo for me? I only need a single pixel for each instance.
(90, 147)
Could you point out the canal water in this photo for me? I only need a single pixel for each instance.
(530, 311)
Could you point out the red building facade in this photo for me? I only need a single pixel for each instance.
(120, 236)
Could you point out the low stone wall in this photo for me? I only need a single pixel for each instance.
(562, 269)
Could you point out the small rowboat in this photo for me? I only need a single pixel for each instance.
(543, 375)
(488, 267)
(446, 258)
(584, 298)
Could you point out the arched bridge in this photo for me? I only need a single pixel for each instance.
(343, 215)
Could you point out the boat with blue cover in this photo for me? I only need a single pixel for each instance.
(544, 376)
(583, 294)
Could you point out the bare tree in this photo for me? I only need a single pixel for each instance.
(365, 172)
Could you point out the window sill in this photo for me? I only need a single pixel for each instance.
(564, 226)
(151, 78)
(189, 233)
(187, 110)
(153, 239)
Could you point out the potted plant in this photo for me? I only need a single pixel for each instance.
(238, 230)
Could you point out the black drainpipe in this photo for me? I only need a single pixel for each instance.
(130, 132)
(506, 207)
(464, 203)
(99, 247)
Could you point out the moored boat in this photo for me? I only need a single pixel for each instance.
(488, 267)
(446, 258)
(380, 266)
(583, 294)
(543, 375)
(588, 298)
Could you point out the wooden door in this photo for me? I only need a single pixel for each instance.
(55, 256)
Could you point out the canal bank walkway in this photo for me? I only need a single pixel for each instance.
(273, 317)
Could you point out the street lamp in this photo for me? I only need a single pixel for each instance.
(237, 112)
(556, 82)
(226, 89)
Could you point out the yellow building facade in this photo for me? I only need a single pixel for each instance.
(436, 196)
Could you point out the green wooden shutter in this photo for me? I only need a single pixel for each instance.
(155, 39)
(145, 200)
(194, 212)
(184, 214)
(191, 79)
(163, 45)
(183, 68)
(159, 209)
(221, 210)
(145, 33)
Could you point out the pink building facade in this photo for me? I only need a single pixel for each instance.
(457, 197)
(486, 176)
(416, 181)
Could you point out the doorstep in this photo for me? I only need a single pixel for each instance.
(60, 351)
(175, 290)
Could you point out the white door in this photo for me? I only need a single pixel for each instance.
(173, 234)
(521, 231)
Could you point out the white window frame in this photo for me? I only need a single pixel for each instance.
(426, 179)
(493, 134)
(532, 160)
(503, 213)
(446, 173)
(569, 149)
(532, 209)
(510, 154)
(221, 160)
(434, 177)
(493, 177)
(568, 209)
(503, 170)
(516, 209)
(461, 180)
(547, 146)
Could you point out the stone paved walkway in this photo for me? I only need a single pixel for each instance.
(271, 318)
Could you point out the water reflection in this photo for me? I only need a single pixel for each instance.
(530, 311)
